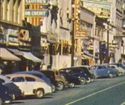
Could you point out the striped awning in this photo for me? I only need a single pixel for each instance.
(87, 55)
(26, 55)
(30, 56)
(6, 55)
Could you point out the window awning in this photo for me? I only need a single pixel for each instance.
(30, 56)
(86, 53)
(26, 55)
(86, 57)
(6, 55)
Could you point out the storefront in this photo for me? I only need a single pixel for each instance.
(8, 61)
(29, 61)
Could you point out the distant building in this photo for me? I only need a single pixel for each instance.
(12, 11)
(102, 8)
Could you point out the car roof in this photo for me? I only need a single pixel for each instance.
(23, 75)
(5, 78)
(80, 66)
(30, 72)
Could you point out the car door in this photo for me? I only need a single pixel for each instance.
(20, 82)
(30, 84)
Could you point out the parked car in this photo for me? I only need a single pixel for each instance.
(30, 85)
(4, 94)
(56, 78)
(14, 90)
(81, 74)
(120, 70)
(73, 79)
(85, 70)
(39, 75)
(102, 71)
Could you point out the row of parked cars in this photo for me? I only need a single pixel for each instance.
(108, 70)
(40, 83)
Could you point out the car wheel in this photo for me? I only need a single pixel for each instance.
(13, 96)
(39, 93)
(60, 86)
(83, 80)
(53, 88)
(111, 75)
(1, 102)
(71, 85)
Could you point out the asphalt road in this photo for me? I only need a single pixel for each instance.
(100, 92)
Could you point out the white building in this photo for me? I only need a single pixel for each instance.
(57, 28)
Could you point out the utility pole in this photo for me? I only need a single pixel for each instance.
(107, 58)
(75, 26)
(73, 34)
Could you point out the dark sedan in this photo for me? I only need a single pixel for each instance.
(4, 95)
(14, 91)
(76, 74)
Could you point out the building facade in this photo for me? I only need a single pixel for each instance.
(56, 28)
(112, 35)
(12, 11)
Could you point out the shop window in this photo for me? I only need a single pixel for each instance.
(27, 6)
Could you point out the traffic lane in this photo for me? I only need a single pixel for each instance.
(113, 95)
(68, 95)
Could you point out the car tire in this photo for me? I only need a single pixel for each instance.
(60, 86)
(1, 102)
(111, 75)
(53, 88)
(83, 81)
(13, 96)
(39, 93)
(71, 85)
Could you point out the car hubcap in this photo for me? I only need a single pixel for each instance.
(60, 86)
(39, 93)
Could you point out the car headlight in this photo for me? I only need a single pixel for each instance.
(79, 77)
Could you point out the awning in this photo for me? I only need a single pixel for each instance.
(30, 56)
(27, 55)
(6, 55)
(86, 57)
(86, 53)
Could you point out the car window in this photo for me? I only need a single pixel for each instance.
(29, 79)
(112, 66)
(18, 79)
(1, 80)
(101, 67)
(38, 75)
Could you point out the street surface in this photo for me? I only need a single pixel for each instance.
(108, 91)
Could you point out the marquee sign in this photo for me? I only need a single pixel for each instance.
(34, 13)
(36, 1)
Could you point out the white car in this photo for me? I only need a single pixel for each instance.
(30, 85)
(121, 71)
